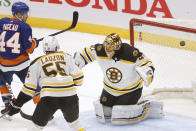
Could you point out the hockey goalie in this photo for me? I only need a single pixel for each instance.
(126, 71)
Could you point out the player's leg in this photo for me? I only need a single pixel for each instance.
(103, 107)
(70, 108)
(103, 113)
(44, 111)
(22, 74)
(5, 81)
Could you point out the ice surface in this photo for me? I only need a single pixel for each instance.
(179, 116)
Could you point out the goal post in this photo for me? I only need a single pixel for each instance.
(175, 69)
(168, 40)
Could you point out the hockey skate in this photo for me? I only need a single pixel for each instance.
(4, 111)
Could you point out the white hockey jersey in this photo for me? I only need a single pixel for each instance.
(56, 74)
(120, 76)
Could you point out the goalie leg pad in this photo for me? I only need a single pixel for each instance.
(129, 114)
(76, 125)
(103, 113)
(156, 110)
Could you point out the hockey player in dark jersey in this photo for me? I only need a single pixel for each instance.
(16, 43)
(126, 71)
(58, 77)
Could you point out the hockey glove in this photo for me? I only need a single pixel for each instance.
(79, 61)
(14, 107)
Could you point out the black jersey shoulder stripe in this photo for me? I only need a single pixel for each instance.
(58, 87)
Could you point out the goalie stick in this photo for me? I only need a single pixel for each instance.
(73, 25)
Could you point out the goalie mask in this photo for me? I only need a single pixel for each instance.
(50, 44)
(111, 44)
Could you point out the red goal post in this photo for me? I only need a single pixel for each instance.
(160, 23)
(167, 32)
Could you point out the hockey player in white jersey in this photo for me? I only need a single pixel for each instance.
(58, 76)
(126, 70)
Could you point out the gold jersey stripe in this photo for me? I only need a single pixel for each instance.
(145, 61)
(78, 75)
(128, 62)
(31, 85)
(124, 92)
(102, 57)
(119, 92)
(134, 84)
(28, 91)
(149, 64)
(79, 81)
(59, 90)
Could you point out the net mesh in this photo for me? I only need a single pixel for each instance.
(172, 52)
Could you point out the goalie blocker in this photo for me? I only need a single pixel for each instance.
(128, 114)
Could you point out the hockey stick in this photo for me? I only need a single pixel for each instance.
(25, 116)
(29, 117)
(4, 114)
(73, 25)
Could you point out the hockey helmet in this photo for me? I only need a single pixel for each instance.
(50, 44)
(112, 43)
(19, 7)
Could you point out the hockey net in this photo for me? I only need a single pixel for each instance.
(171, 45)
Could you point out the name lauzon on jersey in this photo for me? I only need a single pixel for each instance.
(52, 58)
(12, 27)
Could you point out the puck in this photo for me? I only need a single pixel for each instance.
(182, 43)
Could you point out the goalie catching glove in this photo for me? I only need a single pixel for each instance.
(146, 73)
